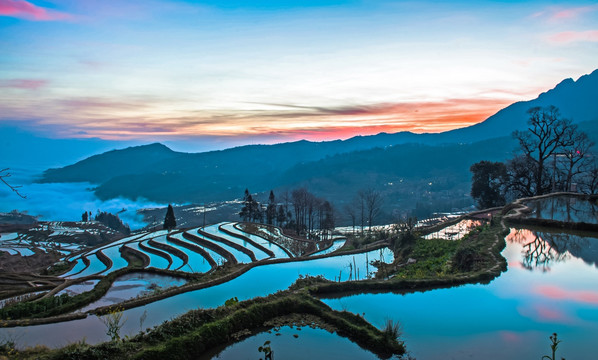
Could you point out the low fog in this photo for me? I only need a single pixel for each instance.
(65, 201)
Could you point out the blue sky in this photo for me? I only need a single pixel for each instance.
(271, 71)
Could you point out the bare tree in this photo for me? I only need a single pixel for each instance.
(300, 203)
(372, 201)
(577, 159)
(5, 174)
(351, 211)
(547, 134)
(522, 177)
(589, 180)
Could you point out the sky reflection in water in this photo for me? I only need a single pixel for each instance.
(544, 291)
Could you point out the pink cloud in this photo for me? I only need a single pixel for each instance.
(567, 37)
(543, 313)
(25, 10)
(27, 84)
(572, 13)
(558, 14)
(554, 292)
(510, 336)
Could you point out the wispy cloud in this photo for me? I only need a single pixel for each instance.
(27, 84)
(557, 293)
(25, 10)
(559, 14)
(567, 37)
(137, 118)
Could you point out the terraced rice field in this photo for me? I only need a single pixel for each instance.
(196, 250)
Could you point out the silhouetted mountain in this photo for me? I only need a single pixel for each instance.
(576, 100)
(402, 172)
(406, 166)
(102, 167)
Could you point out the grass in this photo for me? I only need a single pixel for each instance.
(191, 334)
(432, 259)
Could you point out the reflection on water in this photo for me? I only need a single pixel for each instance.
(456, 231)
(259, 281)
(565, 208)
(510, 318)
(308, 343)
(542, 249)
(133, 285)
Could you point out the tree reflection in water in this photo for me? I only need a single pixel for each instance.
(565, 208)
(540, 249)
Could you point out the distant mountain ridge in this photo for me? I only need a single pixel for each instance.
(576, 100)
(438, 162)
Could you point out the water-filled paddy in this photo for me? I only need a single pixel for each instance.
(276, 249)
(214, 255)
(79, 288)
(550, 287)
(259, 281)
(239, 255)
(133, 285)
(337, 244)
(564, 208)
(309, 343)
(510, 318)
(95, 266)
(456, 231)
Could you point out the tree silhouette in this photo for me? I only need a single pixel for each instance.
(548, 134)
(169, 220)
(271, 209)
(5, 174)
(488, 183)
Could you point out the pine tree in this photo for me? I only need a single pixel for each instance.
(246, 213)
(271, 209)
(281, 216)
(169, 220)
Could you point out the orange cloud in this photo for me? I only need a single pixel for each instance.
(25, 10)
(126, 118)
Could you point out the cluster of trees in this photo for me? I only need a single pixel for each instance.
(300, 210)
(86, 216)
(112, 221)
(364, 208)
(108, 219)
(554, 156)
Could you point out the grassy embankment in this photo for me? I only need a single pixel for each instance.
(190, 335)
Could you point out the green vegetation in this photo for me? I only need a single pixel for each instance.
(57, 268)
(362, 240)
(114, 322)
(432, 259)
(191, 334)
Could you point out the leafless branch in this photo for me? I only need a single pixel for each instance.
(5, 174)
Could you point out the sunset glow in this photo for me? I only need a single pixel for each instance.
(272, 71)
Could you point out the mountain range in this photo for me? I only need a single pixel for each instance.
(410, 169)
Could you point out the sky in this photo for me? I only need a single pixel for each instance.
(272, 71)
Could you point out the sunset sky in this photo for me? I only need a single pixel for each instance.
(270, 71)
